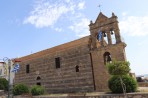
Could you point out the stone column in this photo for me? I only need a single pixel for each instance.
(117, 33)
(102, 41)
(109, 38)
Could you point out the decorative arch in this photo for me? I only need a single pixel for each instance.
(107, 57)
(105, 38)
(38, 81)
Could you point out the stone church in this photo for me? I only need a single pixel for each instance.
(76, 66)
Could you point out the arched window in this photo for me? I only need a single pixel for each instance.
(113, 36)
(38, 82)
(107, 58)
(38, 78)
(105, 37)
(77, 68)
(99, 35)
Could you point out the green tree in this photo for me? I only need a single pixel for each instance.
(20, 89)
(115, 86)
(118, 68)
(3, 84)
(37, 90)
(120, 80)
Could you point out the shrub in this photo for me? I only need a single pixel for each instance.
(20, 89)
(3, 84)
(2, 87)
(118, 68)
(115, 86)
(37, 90)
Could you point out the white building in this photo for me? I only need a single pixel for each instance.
(4, 72)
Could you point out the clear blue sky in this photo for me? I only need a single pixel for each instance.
(29, 26)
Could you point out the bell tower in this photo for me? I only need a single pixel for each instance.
(108, 27)
(105, 45)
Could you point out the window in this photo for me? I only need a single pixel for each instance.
(57, 62)
(38, 78)
(77, 68)
(27, 68)
(38, 83)
(107, 57)
(113, 36)
(105, 37)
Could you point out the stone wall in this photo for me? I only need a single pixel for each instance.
(65, 78)
(101, 75)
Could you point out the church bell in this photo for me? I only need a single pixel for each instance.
(112, 32)
(104, 34)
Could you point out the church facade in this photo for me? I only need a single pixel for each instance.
(77, 66)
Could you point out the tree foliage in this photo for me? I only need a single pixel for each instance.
(20, 89)
(3, 84)
(37, 90)
(118, 68)
(120, 80)
(115, 86)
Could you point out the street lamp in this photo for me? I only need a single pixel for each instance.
(10, 62)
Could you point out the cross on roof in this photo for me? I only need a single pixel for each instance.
(99, 7)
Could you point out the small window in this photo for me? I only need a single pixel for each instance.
(57, 62)
(38, 78)
(27, 68)
(38, 83)
(77, 68)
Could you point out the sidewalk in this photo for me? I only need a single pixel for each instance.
(143, 89)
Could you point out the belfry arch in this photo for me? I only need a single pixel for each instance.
(107, 57)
